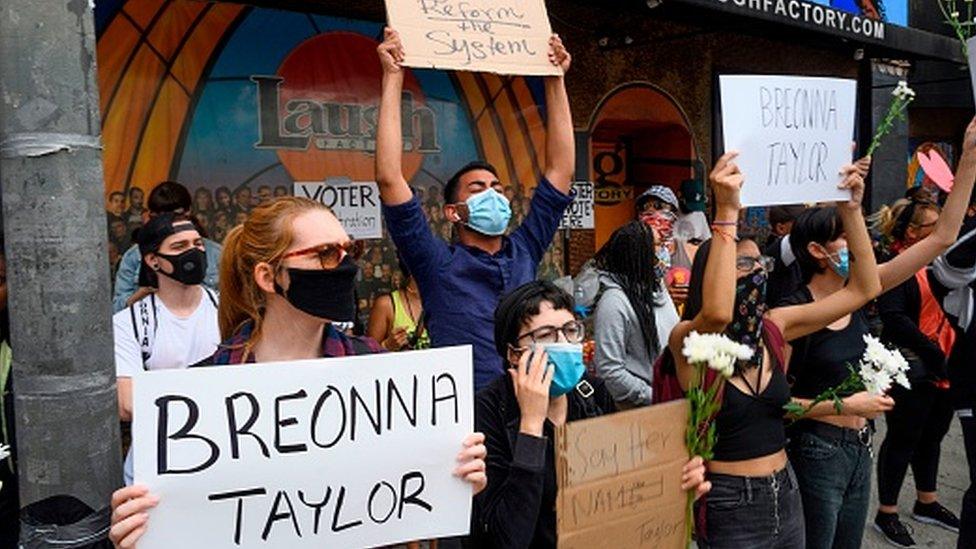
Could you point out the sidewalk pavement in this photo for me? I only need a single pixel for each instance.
(953, 482)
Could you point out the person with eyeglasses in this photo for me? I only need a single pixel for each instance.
(287, 274)
(755, 499)
(461, 282)
(913, 232)
(546, 386)
(633, 314)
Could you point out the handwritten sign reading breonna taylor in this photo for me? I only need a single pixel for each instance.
(501, 36)
(619, 479)
(793, 135)
(339, 452)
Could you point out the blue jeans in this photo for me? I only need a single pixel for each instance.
(751, 512)
(835, 482)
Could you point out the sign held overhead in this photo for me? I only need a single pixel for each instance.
(793, 134)
(500, 36)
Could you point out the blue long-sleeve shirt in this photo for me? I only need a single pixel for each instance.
(460, 285)
(127, 278)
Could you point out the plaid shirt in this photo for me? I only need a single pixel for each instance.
(334, 344)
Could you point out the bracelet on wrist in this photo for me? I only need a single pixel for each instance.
(722, 223)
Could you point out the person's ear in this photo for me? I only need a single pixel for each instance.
(151, 261)
(817, 251)
(451, 213)
(264, 276)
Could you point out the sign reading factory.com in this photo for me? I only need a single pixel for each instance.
(338, 452)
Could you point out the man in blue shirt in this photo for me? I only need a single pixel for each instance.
(461, 283)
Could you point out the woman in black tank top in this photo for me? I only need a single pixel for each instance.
(755, 499)
(832, 454)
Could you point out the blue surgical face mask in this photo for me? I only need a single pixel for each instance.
(842, 265)
(489, 212)
(567, 362)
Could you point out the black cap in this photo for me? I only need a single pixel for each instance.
(159, 228)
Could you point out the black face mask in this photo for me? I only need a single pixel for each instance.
(189, 267)
(750, 307)
(325, 294)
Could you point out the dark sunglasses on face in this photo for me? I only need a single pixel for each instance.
(330, 255)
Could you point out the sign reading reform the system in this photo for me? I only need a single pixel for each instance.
(338, 452)
(793, 135)
(500, 36)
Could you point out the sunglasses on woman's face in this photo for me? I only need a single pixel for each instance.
(330, 255)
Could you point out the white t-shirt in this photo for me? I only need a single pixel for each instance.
(175, 342)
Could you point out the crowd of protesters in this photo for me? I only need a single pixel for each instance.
(231, 278)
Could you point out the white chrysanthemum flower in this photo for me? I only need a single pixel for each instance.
(4, 451)
(716, 351)
(954, 15)
(881, 366)
(902, 91)
(902, 379)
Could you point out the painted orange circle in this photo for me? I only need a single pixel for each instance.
(331, 92)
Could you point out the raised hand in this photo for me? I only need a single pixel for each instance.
(558, 55)
(854, 181)
(726, 181)
(390, 51)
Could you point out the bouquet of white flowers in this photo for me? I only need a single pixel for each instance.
(704, 352)
(879, 368)
(903, 95)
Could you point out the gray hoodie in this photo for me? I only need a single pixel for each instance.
(621, 357)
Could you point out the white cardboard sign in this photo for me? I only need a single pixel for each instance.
(579, 214)
(500, 36)
(355, 203)
(337, 452)
(793, 134)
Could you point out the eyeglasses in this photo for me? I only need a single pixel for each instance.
(573, 331)
(330, 255)
(748, 263)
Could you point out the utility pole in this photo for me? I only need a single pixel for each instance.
(54, 225)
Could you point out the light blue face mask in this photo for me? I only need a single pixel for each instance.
(489, 212)
(567, 363)
(842, 265)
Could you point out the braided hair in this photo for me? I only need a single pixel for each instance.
(628, 257)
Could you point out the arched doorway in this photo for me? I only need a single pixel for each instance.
(638, 136)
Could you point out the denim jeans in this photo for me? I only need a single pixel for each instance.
(754, 512)
(835, 482)
(967, 530)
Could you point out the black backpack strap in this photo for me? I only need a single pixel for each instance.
(587, 396)
(210, 294)
(141, 329)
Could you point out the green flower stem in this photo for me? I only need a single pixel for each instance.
(895, 111)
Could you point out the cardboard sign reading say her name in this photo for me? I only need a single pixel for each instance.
(793, 135)
(339, 452)
(619, 479)
(501, 36)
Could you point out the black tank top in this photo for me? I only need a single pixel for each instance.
(820, 360)
(751, 425)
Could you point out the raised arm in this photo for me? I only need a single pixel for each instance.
(799, 320)
(560, 140)
(394, 189)
(907, 263)
(718, 285)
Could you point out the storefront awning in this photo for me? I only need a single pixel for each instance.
(882, 39)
